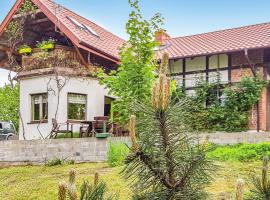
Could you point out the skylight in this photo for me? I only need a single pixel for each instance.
(91, 30)
(74, 21)
(82, 26)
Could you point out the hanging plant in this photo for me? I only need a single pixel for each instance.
(46, 45)
(25, 49)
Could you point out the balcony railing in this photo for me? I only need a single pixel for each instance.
(36, 61)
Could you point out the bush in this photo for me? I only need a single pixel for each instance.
(58, 161)
(240, 152)
(54, 162)
(117, 154)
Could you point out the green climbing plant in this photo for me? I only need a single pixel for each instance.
(229, 113)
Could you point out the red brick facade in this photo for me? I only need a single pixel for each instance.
(239, 69)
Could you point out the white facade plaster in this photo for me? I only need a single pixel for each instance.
(34, 85)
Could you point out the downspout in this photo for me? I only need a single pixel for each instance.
(254, 75)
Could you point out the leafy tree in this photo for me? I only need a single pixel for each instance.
(166, 161)
(134, 78)
(9, 101)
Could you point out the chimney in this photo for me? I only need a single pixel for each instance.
(162, 36)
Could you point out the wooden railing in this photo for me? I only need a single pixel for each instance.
(28, 62)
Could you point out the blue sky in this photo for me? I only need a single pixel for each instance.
(182, 17)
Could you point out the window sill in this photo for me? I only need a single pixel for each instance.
(38, 122)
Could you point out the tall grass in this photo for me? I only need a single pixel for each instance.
(117, 153)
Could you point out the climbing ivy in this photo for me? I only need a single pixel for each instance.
(208, 112)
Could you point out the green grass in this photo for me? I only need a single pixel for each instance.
(117, 154)
(40, 182)
(62, 135)
(240, 152)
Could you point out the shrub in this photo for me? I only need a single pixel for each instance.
(59, 161)
(240, 152)
(117, 154)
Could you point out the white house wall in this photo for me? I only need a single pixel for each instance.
(88, 86)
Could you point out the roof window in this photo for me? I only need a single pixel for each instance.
(82, 26)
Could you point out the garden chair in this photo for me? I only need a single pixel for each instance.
(57, 128)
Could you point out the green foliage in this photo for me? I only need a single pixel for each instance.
(14, 30)
(165, 161)
(261, 184)
(117, 154)
(27, 7)
(95, 192)
(240, 152)
(132, 82)
(229, 114)
(58, 161)
(25, 49)
(46, 44)
(54, 162)
(9, 101)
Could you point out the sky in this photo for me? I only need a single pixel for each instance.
(182, 17)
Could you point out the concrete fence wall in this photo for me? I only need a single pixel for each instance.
(92, 149)
(39, 151)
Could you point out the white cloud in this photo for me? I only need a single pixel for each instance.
(4, 77)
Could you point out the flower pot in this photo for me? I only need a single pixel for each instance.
(26, 50)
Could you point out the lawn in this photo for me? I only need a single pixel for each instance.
(40, 182)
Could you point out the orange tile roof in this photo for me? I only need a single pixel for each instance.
(106, 42)
(230, 40)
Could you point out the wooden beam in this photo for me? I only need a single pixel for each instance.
(39, 21)
(80, 55)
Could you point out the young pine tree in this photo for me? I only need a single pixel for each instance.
(166, 160)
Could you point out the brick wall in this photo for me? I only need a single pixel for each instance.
(240, 69)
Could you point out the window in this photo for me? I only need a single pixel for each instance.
(176, 66)
(90, 30)
(82, 26)
(76, 106)
(195, 64)
(218, 61)
(39, 107)
(74, 21)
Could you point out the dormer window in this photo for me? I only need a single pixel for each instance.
(83, 26)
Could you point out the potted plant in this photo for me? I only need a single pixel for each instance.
(25, 49)
(46, 45)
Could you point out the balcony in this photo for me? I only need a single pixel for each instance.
(37, 61)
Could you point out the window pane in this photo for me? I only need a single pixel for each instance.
(195, 64)
(36, 111)
(39, 107)
(76, 106)
(218, 61)
(192, 80)
(176, 66)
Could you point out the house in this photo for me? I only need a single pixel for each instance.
(231, 54)
(69, 95)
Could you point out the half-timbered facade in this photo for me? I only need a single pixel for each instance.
(227, 55)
